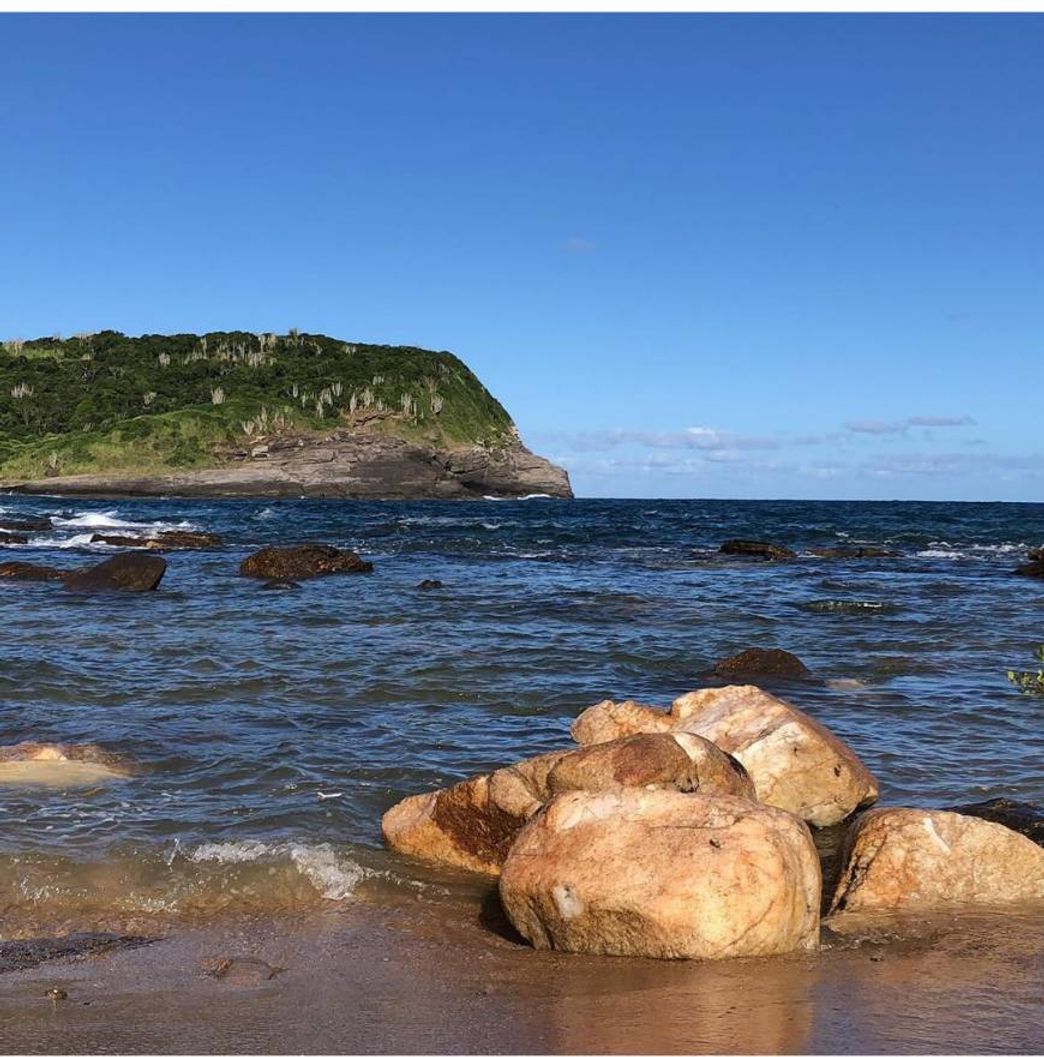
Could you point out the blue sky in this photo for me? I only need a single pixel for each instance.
(695, 255)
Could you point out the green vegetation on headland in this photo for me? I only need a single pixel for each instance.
(108, 402)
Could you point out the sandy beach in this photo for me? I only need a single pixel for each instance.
(416, 979)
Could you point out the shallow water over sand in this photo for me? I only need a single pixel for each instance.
(272, 728)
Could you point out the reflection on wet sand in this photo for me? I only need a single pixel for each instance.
(437, 978)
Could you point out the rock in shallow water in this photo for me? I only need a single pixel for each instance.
(756, 549)
(472, 824)
(1027, 819)
(299, 563)
(58, 766)
(123, 572)
(901, 858)
(662, 874)
(795, 762)
(29, 571)
(757, 662)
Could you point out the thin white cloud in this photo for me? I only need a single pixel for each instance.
(880, 427)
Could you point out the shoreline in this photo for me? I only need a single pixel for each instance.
(415, 978)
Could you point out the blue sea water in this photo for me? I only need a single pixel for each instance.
(273, 728)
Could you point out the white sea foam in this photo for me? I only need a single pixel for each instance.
(109, 519)
(332, 875)
(516, 498)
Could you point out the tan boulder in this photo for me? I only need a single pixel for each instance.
(58, 766)
(679, 761)
(900, 858)
(470, 825)
(795, 762)
(609, 720)
(663, 874)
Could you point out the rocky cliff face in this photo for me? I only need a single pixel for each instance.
(341, 463)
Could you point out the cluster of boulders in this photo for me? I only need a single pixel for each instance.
(760, 551)
(137, 571)
(684, 833)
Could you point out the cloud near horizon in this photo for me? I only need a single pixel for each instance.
(880, 427)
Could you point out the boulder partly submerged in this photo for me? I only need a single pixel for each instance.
(175, 539)
(472, 824)
(123, 572)
(1027, 819)
(908, 858)
(60, 766)
(302, 562)
(795, 763)
(29, 571)
(661, 874)
(772, 552)
(755, 663)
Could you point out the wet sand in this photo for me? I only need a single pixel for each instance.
(426, 978)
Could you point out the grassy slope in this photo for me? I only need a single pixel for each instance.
(106, 402)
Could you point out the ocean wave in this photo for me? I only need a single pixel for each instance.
(842, 605)
(333, 876)
(109, 519)
(517, 498)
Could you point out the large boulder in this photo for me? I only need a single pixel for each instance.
(662, 874)
(756, 549)
(29, 571)
(10, 538)
(901, 858)
(684, 762)
(1027, 819)
(761, 663)
(123, 572)
(472, 824)
(299, 563)
(795, 762)
(1033, 568)
(609, 720)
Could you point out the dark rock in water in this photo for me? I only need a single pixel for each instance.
(174, 540)
(28, 525)
(28, 571)
(299, 563)
(28, 954)
(1036, 555)
(120, 541)
(179, 539)
(1027, 819)
(853, 552)
(756, 549)
(1034, 568)
(280, 585)
(756, 662)
(429, 585)
(124, 572)
(12, 537)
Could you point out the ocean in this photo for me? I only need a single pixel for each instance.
(273, 728)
